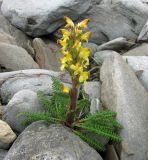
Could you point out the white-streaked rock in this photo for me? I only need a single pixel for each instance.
(34, 79)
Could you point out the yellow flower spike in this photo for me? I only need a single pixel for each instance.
(85, 36)
(83, 77)
(84, 23)
(66, 89)
(84, 52)
(69, 22)
(66, 33)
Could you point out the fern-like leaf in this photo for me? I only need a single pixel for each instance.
(101, 131)
(90, 141)
(36, 116)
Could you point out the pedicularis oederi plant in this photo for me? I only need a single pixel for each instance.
(65, 105)
(75, 59)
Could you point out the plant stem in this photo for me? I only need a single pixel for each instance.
(73, 102)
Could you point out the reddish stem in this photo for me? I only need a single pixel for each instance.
(73, 101)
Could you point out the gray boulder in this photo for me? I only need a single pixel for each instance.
(107, 24)
(15, 58)
(122, 92)
(117, 44)
(38, 18)
(100, 56)
(20, 38)
(45, 56)
(117, 18)
(141, 50)
(22, 101)
(43, 141)
(137, 63)
(93, 89)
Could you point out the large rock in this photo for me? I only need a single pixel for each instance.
(38, 18)
(35, 80)
(141, 50)
(22, 101)
(15, 58)
(100, 56)
(117, 45)
(122, 92)
(41, 141)
(7, 136)
(45, 56)
(92, 89)
(117, 18)
(137, 63)
(107, 24)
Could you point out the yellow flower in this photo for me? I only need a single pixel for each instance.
(84, 23)
(84, 52)
(63, 66)
(77, 68)
(63, 43)
(86, 36)
(69, 22)
(66, 33)
(77, 44)
(83, 77)
(66, 89)
(63, 60)
(78, 31)
(68, 57)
